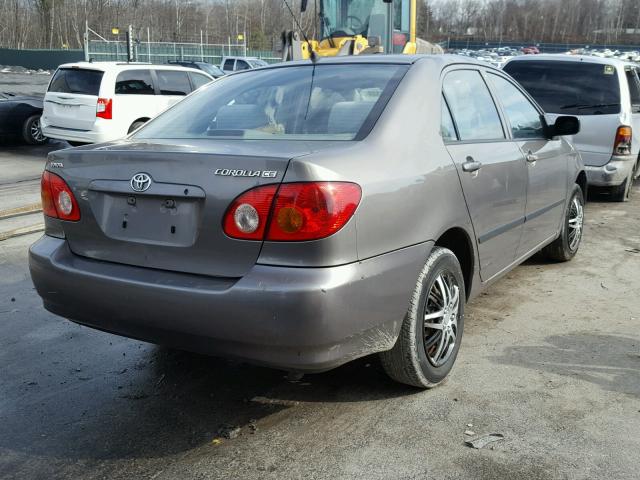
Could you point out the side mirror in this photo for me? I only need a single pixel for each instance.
(303, 6)
(564, 125)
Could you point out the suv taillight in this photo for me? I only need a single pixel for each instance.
(58, 200)
(294, 212)
(622, 144)
(104, 108)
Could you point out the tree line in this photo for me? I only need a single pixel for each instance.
(61, 23)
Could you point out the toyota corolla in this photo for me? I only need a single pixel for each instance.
(307, 214)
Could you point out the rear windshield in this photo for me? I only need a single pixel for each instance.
(570, 88)
(76, 80)
(333, 102)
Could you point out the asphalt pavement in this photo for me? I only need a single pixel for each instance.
(550, 359)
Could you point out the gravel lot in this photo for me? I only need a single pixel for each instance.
(550, 359)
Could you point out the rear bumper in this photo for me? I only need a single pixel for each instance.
(303, 319)
(613, 173)
(101, 132)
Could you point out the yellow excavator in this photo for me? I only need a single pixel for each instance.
(356, 27)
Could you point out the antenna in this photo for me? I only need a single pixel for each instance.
(312, 54)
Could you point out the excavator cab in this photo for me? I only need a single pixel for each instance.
(355, 27)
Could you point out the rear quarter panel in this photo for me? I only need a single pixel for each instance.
(411, 192)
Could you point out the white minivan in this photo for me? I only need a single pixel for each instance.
(604, 93)
(97, 102)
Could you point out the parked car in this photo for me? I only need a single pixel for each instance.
(304, 215)
(212, 70)
(605, 95)
(531, 50)
(93, 102)
(20, 116)
(233, 64)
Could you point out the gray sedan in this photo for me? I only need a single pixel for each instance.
(307, 214)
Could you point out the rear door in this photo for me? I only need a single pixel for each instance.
(134, 97)
(491, 169)
(72, 97)
(546, 164)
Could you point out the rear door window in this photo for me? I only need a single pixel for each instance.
(228, 64)
(472, 106)
(76, 80)
(569, 88)
(134, 82)
(447, 128)
(173, 82)
(523, 117)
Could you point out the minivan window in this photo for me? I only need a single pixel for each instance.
(134, 82)
(228, 64)
(523, 117)
(199, 80)
(634, 88)
(173, 82)
(569, 88)
(242, 65)
(76, 80)
(472, 106)
(324, 102)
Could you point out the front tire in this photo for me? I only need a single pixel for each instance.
(135, 125)
(565, 247)
(32, 132)
(431, 332)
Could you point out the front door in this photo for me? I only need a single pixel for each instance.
(491, 169)
(546, 164)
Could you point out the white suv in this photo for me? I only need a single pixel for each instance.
(604, 93)
(98, 102)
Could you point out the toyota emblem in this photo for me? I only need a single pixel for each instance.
(140, 182)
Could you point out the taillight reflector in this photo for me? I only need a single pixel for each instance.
(293, 212)
(104, 108)
(58, 200)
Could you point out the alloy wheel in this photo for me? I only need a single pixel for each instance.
(36, 131)
(576, 219)
(441, 319)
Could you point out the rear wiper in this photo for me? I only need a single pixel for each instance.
(581, 106)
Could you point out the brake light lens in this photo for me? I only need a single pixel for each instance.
(622, 144)
(58, 200)
(294, 212)
(104, 108)
(247, 216)
(311, 211)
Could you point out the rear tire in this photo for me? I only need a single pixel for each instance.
(76, 144)
(622, 193)
(31, 131)
(432, 329)
(565, 247)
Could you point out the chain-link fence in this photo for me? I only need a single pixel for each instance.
(161, 52)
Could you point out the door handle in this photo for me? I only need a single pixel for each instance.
(471, 165)
(531, 158)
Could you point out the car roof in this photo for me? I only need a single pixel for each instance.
(119, 66)
(563, 57)
(439, 60)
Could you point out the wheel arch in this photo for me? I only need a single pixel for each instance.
(458, 241)
(581, 180)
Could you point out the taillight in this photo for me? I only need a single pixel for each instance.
(622, 145)
(58, 200)
(104, 108)
(294, 212)
(310, 211)
(247, 216)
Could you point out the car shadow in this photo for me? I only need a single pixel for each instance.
(171, 402)
(603, 195)
(16, 147)
(611, 362)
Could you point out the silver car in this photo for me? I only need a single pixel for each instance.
(604, 93)
(304, 215)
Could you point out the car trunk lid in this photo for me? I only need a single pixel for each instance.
(175, 223)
